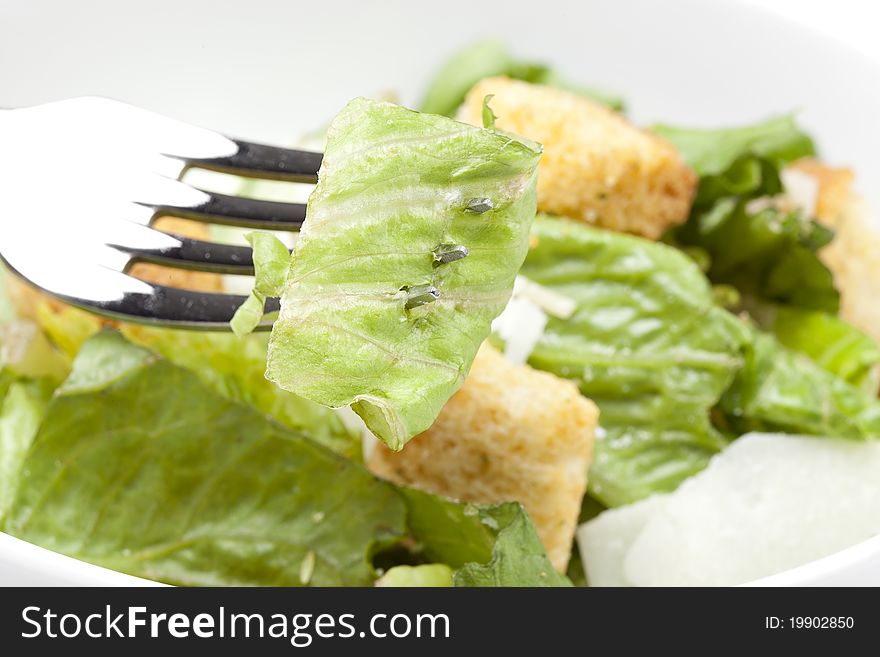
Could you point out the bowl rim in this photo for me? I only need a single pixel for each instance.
(821, 571)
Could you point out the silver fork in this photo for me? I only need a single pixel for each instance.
(81, 182)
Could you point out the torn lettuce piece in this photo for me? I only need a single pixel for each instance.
(424, 575)
(485, 544)
(768, 254)
(518, 558)
(140, 467)
(490, 58)
(488, 115)
(235, 368)
(781, 390)
(765, 251)
(646, 343)
(232, 366)
(832, 343)
(23, 405)
(271, 262)
(729, 160)
(376, 312)
(164, 478)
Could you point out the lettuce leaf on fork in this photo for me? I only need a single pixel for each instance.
(413, 238)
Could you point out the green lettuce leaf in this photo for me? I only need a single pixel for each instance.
(424, 575)
(490, 58)
(22, 408)
(271, 262)
(140, 467)
(831, 342)
(781, 390)
(233, 367)
(765, 252)
(518, 558)
(413, 238)
(716, 152)
(646, 343)
(487, 545)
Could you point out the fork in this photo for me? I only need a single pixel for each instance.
(81, 182)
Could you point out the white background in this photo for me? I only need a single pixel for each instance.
(855, 22)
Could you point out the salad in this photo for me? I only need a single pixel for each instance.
(522, 342)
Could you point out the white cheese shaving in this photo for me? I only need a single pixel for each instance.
(802, 189)
(801, 193)
(521, 326)
(766, 504)
(522, 322)
(552, 303)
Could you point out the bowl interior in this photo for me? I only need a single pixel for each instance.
(271, 70)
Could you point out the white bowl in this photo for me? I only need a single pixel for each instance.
(271, 70)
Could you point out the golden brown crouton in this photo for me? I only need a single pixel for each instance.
(854, 254)
(596, 166)
(509, 433)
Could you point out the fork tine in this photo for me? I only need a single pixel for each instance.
(151, 245)
(262, 161)
(239, 211)
(175, 308)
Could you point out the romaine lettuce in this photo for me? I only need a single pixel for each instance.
(781, 390)
(413, 238)
(141, 467)
(233, 367)
(271, 262)
(765, 252)
(488, 545)
(490, 58)
(739, 161)
(22, 408)
(831, 342)
(424, 575)
(675, 376)
(646, 343)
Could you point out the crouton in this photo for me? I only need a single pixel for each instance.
(854, 254)
(509, 433)
(596, 167)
